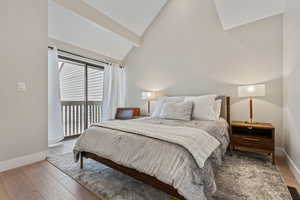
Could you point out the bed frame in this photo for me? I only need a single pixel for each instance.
(147, 179)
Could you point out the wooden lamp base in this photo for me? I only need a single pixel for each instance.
(251, 110)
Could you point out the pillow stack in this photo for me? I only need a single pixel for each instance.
(204, 107)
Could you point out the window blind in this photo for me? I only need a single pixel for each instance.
(72, 82)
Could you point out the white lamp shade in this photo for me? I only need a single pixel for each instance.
(148, 95)
(252, 90)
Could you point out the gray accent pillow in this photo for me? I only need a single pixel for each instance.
(177, 111)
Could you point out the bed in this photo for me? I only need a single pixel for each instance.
(156, 152)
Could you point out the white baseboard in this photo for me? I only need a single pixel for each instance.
(295, 170)
(21, 161)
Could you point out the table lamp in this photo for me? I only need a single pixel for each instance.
(148, 96)
(252, 91)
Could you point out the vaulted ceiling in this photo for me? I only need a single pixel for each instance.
(108, 27)
(235, 13)
(136, 15)
(112, 27)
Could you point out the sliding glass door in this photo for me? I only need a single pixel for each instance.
(81, 89)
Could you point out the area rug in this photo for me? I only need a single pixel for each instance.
(243, 176)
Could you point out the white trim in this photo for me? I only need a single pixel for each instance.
(295, 170)
(293, 167)
(21, 161)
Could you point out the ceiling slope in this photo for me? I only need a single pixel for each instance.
(68, 27)
(136, 15)
(235, 13)
(93, 15)
(107, 27)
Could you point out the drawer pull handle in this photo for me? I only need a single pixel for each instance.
(250, 128)
(252, 139)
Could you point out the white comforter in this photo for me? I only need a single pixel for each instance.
(177, 155)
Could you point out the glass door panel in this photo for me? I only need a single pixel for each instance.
(72, 90)
(95, 86)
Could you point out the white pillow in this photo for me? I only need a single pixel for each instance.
(177, 111)
(203, 107)
(217, 108)
(158, 106)
(161, 101)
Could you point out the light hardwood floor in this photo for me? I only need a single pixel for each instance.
(41, 181)
(45, 182)
(286, 173)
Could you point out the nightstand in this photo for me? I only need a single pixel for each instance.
(253, 136)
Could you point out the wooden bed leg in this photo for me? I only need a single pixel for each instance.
(81, 161)
(231, 149)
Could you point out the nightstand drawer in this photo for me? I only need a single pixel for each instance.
(250, 131)
(253, 142)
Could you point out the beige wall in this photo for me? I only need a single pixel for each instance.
(292, 82)
(23, 55)
(186, 52)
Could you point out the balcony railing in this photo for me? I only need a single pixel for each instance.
(73, 113)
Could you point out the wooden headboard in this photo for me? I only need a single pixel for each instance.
(225, 108)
